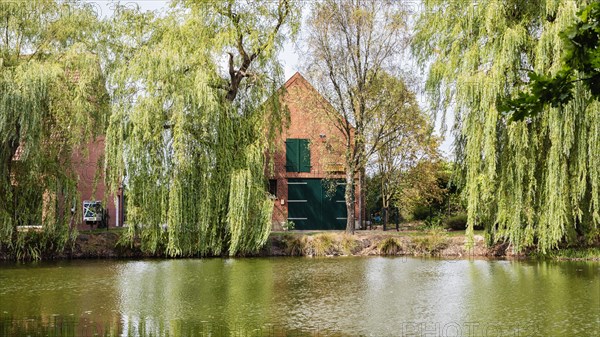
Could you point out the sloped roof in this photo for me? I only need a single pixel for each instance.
(297, 77)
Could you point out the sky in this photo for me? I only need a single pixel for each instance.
(289, 57)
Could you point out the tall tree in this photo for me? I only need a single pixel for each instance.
(405, 143)
(51, 101)
(534, 182)
(189, 127)
(350, 44)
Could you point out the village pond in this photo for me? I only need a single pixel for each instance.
(343, 296)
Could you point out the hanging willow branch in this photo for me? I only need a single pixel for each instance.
(531, 183)
(187, 141)
(52, 100)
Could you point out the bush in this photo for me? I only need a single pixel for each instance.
(348, 244)
(457, 222)
(294, 245)
(288, 225)
(389, 246)
(433, 221)
(320, 245)
(435, 240)
(421, 212)
(33, 245)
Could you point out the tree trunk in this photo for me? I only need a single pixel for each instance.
(385, 217)
(383, 195)
(350, 189)
(360, 199)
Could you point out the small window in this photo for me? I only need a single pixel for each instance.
(273, 187)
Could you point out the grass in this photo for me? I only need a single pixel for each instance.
(421, 242)
(389, 246)
(320, 245)
(434, 241)
(348, 244)
(323, 243)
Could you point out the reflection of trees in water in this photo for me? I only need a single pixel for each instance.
(542, 298)
(259, 297)
(320, 295)
(299, 296)
(64, 326)
(196, 296)
(59, 299)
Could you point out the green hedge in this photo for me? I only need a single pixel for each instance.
(458, 222)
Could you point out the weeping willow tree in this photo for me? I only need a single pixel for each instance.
(532, 183)
(192, 120)
(51, 101)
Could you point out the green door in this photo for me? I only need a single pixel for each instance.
(334, 207)
(304, 203)
(311, 207)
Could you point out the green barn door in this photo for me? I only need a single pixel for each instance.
(310, 207)
(334, 207)
(304, 203)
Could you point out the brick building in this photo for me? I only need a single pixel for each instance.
(88, 172)
(91, 186)
(308, 180)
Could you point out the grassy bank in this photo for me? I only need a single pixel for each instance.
(433, 242)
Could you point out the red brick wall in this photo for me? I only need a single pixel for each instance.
(308, 120)
(87, 166)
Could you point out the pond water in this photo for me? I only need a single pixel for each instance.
(366, 296)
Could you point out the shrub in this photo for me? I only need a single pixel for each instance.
(288, 225)
(320, 245)
(433, 221)
(389, 246)
(457, 222)
(294, 245)
(348, 244)
(435, 240)
(33, 245)
(421, 212)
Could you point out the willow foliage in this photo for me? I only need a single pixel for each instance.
(531, 183)
(187, 138)
(52, 99)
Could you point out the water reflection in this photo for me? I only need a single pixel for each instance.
(301, 296)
